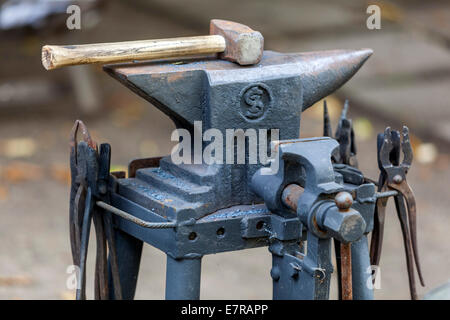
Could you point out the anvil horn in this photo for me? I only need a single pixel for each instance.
(323, 72)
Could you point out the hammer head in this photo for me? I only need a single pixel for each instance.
(243, 45)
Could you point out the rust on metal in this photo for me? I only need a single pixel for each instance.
(85, 134)
(408, 194)
(119, 174)
(376, 243)
(142, 163)
(290, 196)
(343, 200)
(243, 45)
(346, 267)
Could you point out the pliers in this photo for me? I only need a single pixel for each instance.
(393, 177)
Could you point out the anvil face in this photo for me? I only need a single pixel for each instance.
(224, 95)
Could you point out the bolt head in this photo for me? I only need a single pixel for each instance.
(343, 200)
(397, 179)
(275, 273)
(345, 226)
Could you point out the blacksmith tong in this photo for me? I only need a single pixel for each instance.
(90, 168)
(393, 177)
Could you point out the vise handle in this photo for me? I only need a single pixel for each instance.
(337, 219)
(234, 41)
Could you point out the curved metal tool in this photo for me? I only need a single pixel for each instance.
(78, 190)
(344, 135)
(89, 169)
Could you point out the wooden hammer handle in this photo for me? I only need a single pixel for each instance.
(59, 56)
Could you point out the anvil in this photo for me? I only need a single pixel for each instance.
(216, 92)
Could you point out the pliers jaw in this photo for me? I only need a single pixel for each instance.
(389, 155)
(407, 150)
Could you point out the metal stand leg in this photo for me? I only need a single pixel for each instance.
(129, 251)
(183, 278)
(361, 272)
(305, 278)
(282, 289)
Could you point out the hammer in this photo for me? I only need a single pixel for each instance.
(234, 41)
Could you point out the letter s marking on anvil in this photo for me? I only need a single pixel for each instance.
(255, 100)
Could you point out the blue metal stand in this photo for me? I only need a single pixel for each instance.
(129, 250)
(183, 278)
(361, 270)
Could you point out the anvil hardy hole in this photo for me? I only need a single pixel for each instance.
(220, 232)
(192, 236)
(259, 225)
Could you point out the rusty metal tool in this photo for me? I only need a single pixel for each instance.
(344, 201)
(233, 41)
(346, 289)
(81, 201)
(344, 135)
(393, 177)
(344, 162)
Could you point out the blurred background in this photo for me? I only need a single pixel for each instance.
(406, 81)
